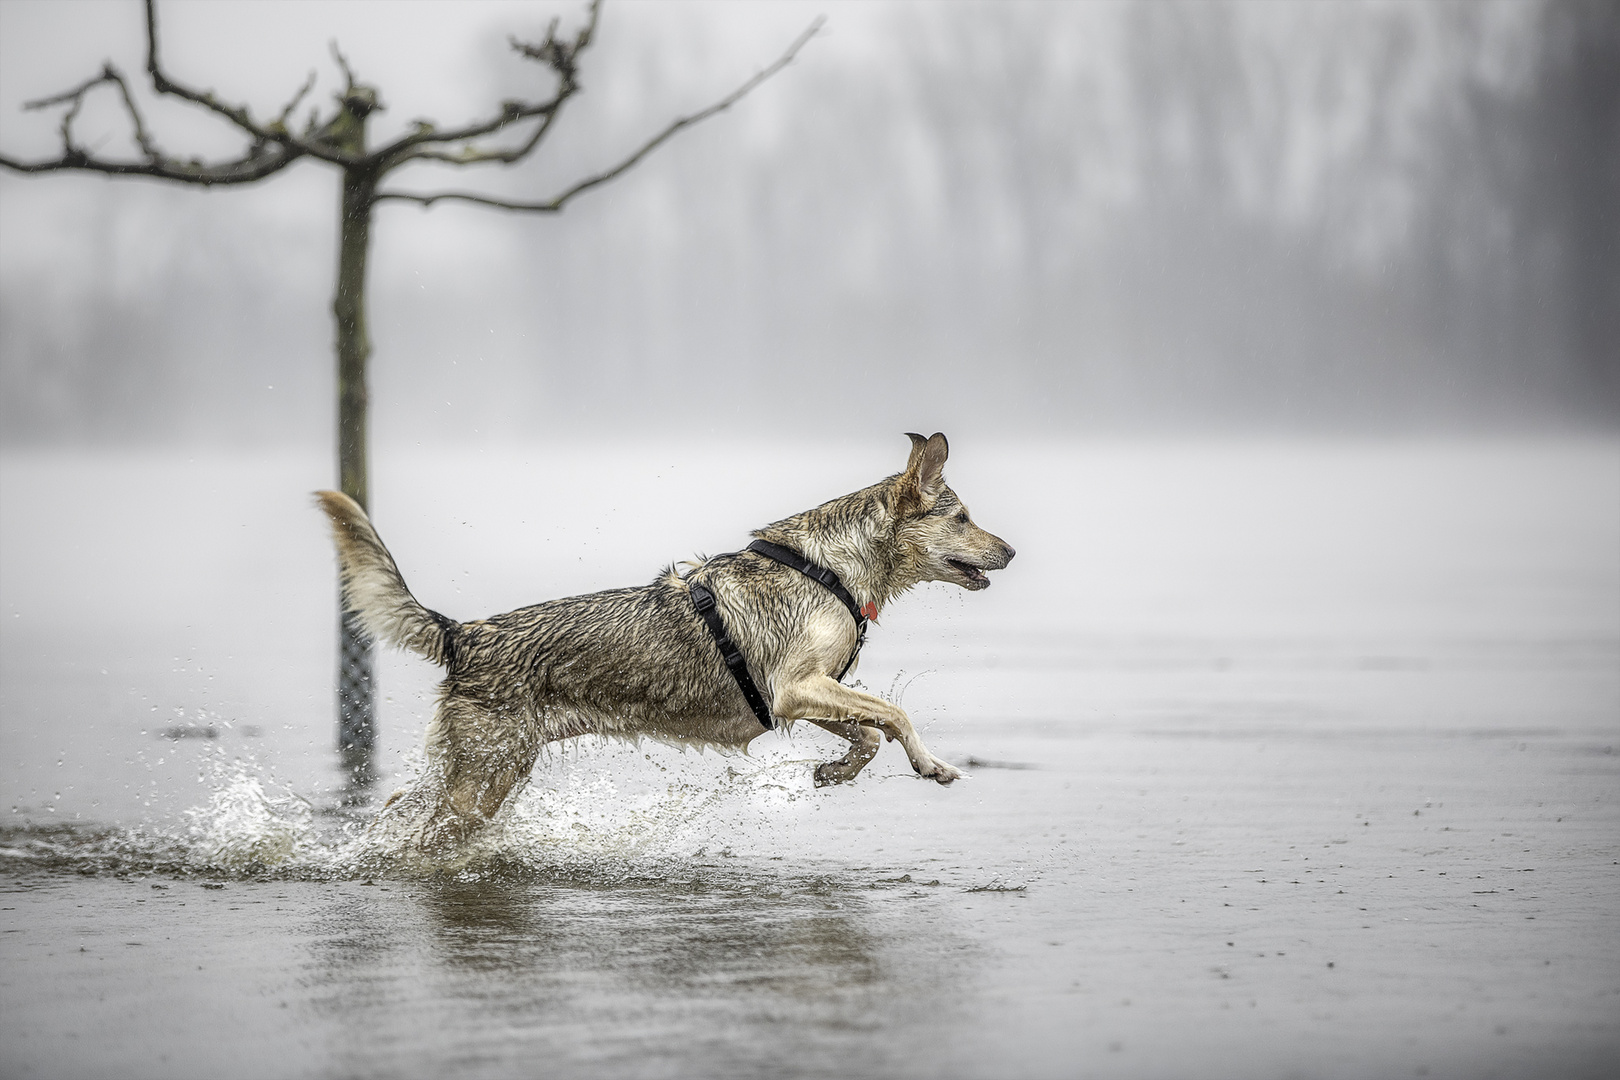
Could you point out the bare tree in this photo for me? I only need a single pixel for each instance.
(507, 136)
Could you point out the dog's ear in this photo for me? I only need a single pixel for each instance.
(918, 444)
(924, 477)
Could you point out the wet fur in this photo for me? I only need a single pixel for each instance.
(639, 661)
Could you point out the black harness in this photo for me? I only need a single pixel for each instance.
(703, 600)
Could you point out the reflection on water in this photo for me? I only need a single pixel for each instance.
(670, 967)
(694, 930)
(664, 970)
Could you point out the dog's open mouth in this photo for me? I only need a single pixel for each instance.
(971, 574)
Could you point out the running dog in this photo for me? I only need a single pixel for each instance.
(788, 614)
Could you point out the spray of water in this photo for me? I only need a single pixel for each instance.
(600, 807)
(593, 808)
(244, 829)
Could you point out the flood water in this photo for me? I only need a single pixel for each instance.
(1284, 759)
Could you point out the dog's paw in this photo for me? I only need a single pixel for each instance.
(828, 773)
(937, 771)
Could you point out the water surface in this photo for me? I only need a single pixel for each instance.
(1284, 760)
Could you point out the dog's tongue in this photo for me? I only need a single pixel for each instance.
(972, 573)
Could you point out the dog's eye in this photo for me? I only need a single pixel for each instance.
(961, 517)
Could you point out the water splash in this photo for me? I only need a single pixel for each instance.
(589, 811)
(601, 812)
(595, 816)
(243, 829)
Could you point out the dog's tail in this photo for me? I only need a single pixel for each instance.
(374, 590)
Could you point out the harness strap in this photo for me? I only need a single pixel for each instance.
(789, 557)
(703, 600)
(709, 611)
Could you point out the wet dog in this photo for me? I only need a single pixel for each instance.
(641, 661)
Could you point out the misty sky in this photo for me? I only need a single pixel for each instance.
(1016, 218)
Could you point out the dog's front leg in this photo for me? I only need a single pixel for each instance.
(819, 697)
(863, 747)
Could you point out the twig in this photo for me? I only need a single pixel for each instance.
(343, 64)
(69, 95)
(561, 56)
(286, 114)
(161, 82)
(109, 74)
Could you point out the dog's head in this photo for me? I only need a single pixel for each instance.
(933, 529)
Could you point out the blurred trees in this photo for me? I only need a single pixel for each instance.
(1082, 216)
(1555, 160)
(1288, 213)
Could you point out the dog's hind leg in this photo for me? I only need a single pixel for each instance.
(863, 747)
(476, 756)
(485, 752)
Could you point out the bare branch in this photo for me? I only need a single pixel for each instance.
(161, 82)
(556, 203)
(236, 114)
(69, 95)
(550, 206)
(343, 64)
(471, 155)
(109, 74)
(259, 162)
(76, 97)
(286, 114)
(266, 154)
(142, 138)
(560, 55)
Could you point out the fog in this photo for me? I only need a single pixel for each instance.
(1007, 218)
(1280, 339)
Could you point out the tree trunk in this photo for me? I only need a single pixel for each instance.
(357, 733)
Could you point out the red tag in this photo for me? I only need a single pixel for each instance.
(870, 611)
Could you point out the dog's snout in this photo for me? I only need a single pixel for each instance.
(998, 554)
